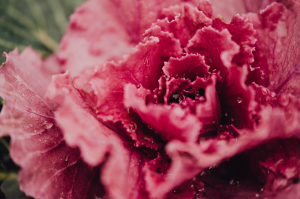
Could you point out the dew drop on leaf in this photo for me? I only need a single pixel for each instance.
(273, 94)
(239, 100)
(263, 75)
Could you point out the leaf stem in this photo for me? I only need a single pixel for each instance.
(5, 175)
(46, 40)
(5, 144)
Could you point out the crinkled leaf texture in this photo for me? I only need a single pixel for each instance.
(277, 54)
(180, 116)
(102, 30)
(50, 168)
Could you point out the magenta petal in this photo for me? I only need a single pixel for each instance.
(48, 166)
(243, 33)
(221, 8)
(104, 84)
(51, 65)
(217, 48)
(206, 7)
(257, 5)
(208, 112)
(277, 49)
(237, 99)
(186, 190)
(175, 85)
(189, 66)
(170, 122)
(122, 173)
(33, 75)
(92, 26)
(58, 173)
(82, 130)
(189, 159)
(78, 123)
(183, 21)
(95, 141)
(90, 38)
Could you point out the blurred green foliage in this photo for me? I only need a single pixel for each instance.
(41, 24)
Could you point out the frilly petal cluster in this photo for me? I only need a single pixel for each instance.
(160, 99)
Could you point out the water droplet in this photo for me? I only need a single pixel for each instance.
(239, 100)
(263, 75)
(264, 91)
(49, 125)
(273, 94)
(226, 114)
(192, 185)
(283, 100)
(231, 181)
(232, 119)
(147, 139)
(261, 189)
(257, 195)
(174, 191)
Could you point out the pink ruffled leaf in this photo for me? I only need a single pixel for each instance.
(237, 99)
(142, 67)
(189, 159)
(221, 8)
(183, 21)
(217, 48)
(48, 166)
(208, 112)
(175, 85)
(122, 174)
(163, 119)
(242, 32)
(277, 50)
(90, 38)
(189, 66)
(95, 140)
